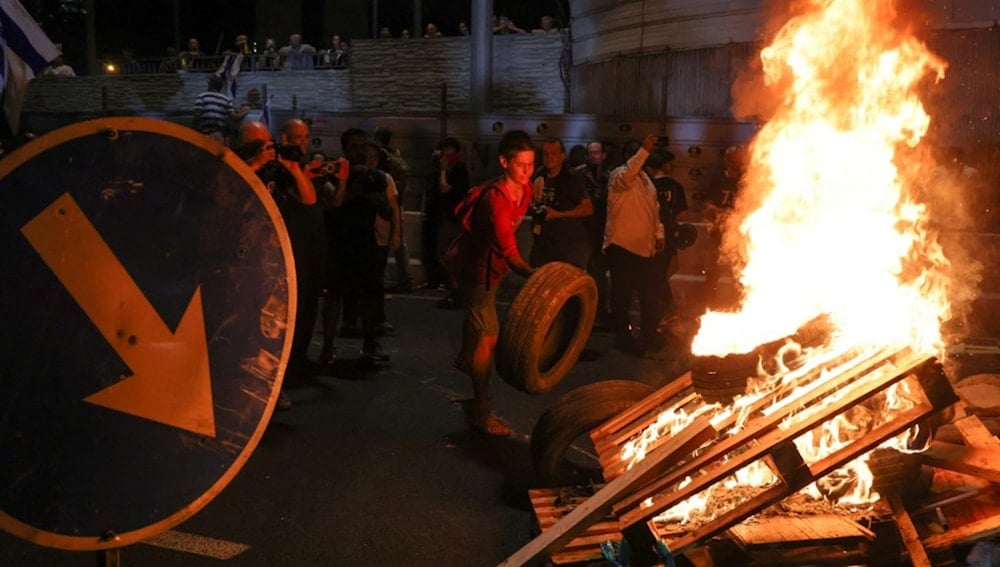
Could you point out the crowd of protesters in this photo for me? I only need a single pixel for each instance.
(610, 216)
(344, 219)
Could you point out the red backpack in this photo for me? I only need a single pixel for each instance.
(467, 206)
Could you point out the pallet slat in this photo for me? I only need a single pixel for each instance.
(816, 530)
(599, 505)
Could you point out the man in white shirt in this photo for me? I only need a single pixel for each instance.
(633, 235)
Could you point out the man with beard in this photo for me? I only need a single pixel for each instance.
(561, 212)
(297, 202)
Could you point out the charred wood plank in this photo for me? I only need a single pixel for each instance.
(793, 531)
(599, 505)
(775, 494)
(713, 464)
(615, 425)
(974, 531)
(976, 434)
(908, 532)
(976, 461)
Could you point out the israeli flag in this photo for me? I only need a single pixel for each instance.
(265, 116)
(228, 70)
(26, 50)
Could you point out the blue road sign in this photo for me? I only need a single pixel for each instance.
(146, 311)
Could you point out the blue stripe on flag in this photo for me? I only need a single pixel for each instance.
(228, 71)
(16, 30)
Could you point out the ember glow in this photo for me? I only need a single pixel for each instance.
(826, 224)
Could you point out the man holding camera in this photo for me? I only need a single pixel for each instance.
(633, 236)
(561, 210)
(278, 166)
(356, 266)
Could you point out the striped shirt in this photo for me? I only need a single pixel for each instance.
(214, 108)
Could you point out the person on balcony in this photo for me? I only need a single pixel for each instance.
(297, 55)
(191, 54)
(269, 58)
(432, 31)
(59, 68)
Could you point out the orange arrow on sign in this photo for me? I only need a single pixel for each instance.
(170, 381)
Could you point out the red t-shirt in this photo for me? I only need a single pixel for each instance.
(480, 255)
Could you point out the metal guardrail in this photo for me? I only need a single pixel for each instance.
(212, 63)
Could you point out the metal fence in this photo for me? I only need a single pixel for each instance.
(212, 63)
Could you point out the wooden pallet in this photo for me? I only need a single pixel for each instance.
(629, 492)
(761, 438)
(757, 536)
(551, 504)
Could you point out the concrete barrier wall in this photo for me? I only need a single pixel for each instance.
(392, 75)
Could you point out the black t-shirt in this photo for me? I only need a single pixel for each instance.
(437, 204)
(564, 192)
(304, 223)
(717, 190)
(670, 194)
(351, 226)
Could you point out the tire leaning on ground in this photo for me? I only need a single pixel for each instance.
(574, 414)
(546, 327)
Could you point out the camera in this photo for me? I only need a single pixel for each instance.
(663, 141)
(329, 167)
(288, 151)
(538, 211)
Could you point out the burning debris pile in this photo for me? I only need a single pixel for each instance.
(826, 369)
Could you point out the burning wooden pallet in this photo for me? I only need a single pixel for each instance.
(634, 496)
(763, 536)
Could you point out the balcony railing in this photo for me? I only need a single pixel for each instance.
(212, 63)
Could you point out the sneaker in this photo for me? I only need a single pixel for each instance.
(284, 403)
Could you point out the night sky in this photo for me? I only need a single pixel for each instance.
(147, 26)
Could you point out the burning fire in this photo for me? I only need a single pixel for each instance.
(827, 223)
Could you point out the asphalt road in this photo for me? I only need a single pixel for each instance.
(376, 467)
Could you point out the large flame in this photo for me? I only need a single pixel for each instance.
(827, 222)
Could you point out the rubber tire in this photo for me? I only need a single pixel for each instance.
(576, 413)
(721, 379)
(546, 327)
